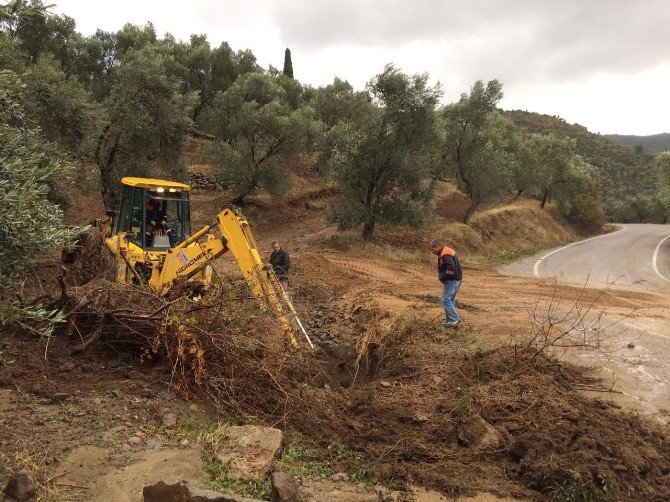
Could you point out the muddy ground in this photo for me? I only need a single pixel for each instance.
(460, 412)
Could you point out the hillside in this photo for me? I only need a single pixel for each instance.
(656, 143)
(623, 171)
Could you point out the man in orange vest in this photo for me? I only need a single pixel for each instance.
(450, 274)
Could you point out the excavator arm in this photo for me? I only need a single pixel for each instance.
(193, 255)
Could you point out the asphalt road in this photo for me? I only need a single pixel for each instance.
(636, 257)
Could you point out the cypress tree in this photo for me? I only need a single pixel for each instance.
(288, 65)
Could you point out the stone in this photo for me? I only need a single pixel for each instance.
(116, 429)
(154, 444)
(118, 394)
(21, 486)
(386, 384)
(250, 451)
(381, 491)
(184, 492)
(193, 407)
(147, 392)
(136, 375)
(421, 417)
(67, 366)
(134, 440)
(631, 345)
(169, 419)
(161, 492)
(59, 397)
(284, 488)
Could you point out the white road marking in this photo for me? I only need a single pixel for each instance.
(654, 259)
(536, 268)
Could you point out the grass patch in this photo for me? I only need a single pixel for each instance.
(300, 461)
(195, 429)
(341, 241)
(359, 467)
(575, 489)
(222, 481)
(468, 397)
(504, 258)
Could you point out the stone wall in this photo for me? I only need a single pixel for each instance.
(204, 181)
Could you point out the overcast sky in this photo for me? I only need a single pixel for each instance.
(602, 63)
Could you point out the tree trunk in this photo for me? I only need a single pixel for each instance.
(368, 230)
(518, 194)
(474, 204)
(239, 200)
(545, 196)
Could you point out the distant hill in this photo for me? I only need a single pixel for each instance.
(653, 144)
(623, 171)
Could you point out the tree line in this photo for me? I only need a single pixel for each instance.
(628, 178)
(127, 101)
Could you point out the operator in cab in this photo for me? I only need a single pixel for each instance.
(157, 221)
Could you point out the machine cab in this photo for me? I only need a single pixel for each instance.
(154, 214)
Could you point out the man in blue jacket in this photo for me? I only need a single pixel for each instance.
(450, 274)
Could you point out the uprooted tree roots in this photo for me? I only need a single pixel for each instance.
(420, 407)
(209, 343)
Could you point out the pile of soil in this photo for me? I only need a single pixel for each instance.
(445, 415)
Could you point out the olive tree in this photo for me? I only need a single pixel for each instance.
(476, 145)
(145, 118)
(258, 135)
(381, 160)
(662, 163)
(30, 222)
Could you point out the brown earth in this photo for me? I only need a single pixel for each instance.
(400, 399)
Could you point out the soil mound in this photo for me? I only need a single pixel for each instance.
(422, 407)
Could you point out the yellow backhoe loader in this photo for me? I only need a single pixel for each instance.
(152, 243)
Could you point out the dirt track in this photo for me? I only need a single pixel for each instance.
(500, 305)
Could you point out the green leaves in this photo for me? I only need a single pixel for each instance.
(30, 223)
(477, 144)
(259, 134)
(378, 155)
(146, 118)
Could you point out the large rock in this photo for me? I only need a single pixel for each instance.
(250, 451)
(284, 489)
(94, 467)
(185, 492)
(21, 486)
(162, 492)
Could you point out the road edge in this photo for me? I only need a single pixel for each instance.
(536, 267)
(655, 257)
